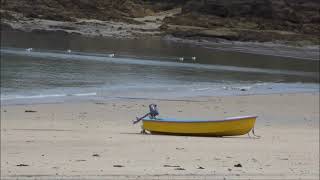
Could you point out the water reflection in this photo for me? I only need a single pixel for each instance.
(147, 48)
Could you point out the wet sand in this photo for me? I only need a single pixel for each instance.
(96, 140)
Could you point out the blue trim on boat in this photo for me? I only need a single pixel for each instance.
(194, 120)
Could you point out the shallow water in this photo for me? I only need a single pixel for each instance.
(140, 68)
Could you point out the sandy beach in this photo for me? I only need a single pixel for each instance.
(76, 74)
(96, 140)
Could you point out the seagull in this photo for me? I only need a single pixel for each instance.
(111, 55)
(69, 51)
(181, 59)
(29, 49)
(193, 58)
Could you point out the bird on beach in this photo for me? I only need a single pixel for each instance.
(29, 49)
(181, 59)
(193, 58)
(111, 55)
(69, 51)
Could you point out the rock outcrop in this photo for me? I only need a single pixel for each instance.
(249, 20)
(242, 20)
(67, 10)
(290, 15)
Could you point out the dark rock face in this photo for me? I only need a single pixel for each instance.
(294, 11)
(250, 20)
(230, 8)
(66, 10)
(288, 10)
(297, 11)
(244, 20)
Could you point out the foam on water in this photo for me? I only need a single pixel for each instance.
(164, 92)
(44, 96)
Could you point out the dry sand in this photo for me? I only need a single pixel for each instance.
(96, 140)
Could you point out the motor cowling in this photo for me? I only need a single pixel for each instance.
(153, 110)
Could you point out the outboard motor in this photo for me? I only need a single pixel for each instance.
(153, 113)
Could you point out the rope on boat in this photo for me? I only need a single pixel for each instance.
(257, 136)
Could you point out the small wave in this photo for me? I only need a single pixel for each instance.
(45, 96)
(86, 94)
(201, 89)
(32, 97)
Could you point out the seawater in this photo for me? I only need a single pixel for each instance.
(49, 72)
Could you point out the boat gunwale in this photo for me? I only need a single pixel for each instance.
(202, 121)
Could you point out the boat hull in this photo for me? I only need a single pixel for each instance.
(228, 127)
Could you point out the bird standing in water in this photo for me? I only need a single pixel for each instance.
(29, 49)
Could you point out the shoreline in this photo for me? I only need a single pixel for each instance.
(96, 140)
(265, 48)
(150, 28)
(69, 98)
(260, 48)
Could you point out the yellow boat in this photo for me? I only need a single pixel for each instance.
(228, 127)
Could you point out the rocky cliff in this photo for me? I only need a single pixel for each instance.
(90, 9)
(248, 20)
(243, 20)
(67, 10)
